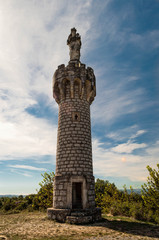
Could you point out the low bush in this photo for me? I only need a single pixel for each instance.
(107, 196)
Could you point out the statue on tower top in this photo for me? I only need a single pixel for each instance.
(74, 43)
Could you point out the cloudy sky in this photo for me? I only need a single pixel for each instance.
(120, 41)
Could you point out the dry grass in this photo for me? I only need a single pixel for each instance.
(36, 226)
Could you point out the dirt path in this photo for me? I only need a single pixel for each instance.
(36, 226)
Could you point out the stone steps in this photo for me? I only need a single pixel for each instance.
(80, 213)
(79, 219)
(75, 216)
(83, 216)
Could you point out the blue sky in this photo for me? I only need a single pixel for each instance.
(120, 41)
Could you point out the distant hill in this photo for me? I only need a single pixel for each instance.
(128, 190)
(137, 190)
(10, 196)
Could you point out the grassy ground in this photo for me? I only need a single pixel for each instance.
(36, 226)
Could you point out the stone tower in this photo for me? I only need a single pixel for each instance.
(74, 89)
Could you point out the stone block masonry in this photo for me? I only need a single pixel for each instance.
(74, 150)
(74, 90)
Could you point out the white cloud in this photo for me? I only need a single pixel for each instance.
(33, 44)
(116, 164)
(26, 174)
(146, 41)
(154, 150)
(120, 161)
(133, 78)
(127, 133)
(27, 136)
(139, 132)
(115, 101)
(27, 167)
(130, 132)
(128, 147)
(120, 36)
(20, 172)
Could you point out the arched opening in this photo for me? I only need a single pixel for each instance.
(67, 88)
(56, 92)
(77, 87)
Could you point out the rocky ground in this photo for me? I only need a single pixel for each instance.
(36, 226)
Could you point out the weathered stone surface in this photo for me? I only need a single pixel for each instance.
(74, 89)
(78, 220)
(74, 43)
(58, 214)
(80, 216)
(74, 81)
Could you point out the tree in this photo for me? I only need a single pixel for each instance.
(106, 194)
(99, 191)
(150, 191)
(44, 197)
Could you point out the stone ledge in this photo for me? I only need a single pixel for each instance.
(75, 216)
(58, 214)
(79, 220)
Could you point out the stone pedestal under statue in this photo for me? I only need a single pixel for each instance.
(74, 89)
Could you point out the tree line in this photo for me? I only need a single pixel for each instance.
(144, 206)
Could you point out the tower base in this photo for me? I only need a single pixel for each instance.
(75, 216)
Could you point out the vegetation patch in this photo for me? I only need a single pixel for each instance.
(124, 212)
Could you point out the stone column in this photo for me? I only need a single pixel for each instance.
(74, 90)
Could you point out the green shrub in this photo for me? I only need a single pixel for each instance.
(137, 211)
(115, 208)
(156, 217)
(150, 191)
(8, 204)
(22, 205)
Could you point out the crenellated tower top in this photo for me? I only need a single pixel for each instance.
(74, 73)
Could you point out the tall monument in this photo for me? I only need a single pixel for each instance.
(74, 89)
